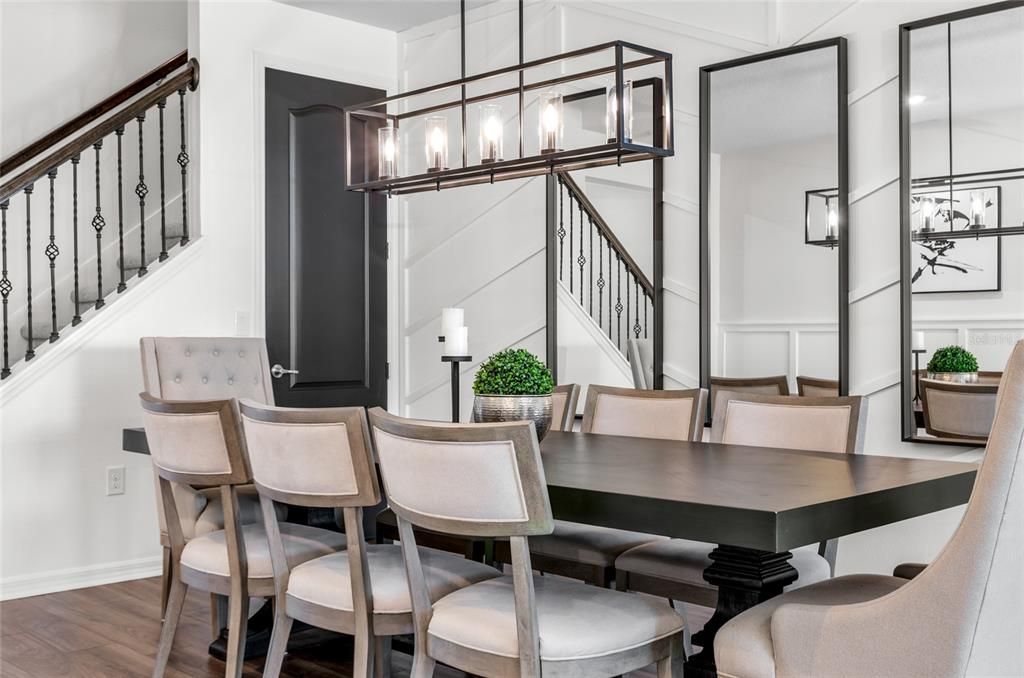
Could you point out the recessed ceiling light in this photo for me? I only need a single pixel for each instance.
(915, 99)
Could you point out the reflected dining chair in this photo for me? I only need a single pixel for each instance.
(674, 568)
(962, 411)
(960, 616)
(201, 443)
(588, 552)
(204, 368)
(563, 406)
(323, 458)
(763, 385)
(641, 361)
(817, 388)
(486, 480)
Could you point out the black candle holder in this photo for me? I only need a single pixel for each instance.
(455, 360)
(917, 373)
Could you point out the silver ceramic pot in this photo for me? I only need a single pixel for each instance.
(495, 408)
(955, 377)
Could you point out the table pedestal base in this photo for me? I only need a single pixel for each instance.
(744, 577)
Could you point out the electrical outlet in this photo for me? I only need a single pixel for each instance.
(115, 480)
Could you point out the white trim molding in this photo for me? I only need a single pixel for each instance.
(52, 581)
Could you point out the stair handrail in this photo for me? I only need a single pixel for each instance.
(187, 76)
(634, 269)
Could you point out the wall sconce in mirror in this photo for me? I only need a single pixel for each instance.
(821, 217)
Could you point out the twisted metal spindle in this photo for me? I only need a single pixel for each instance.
(5, 288)
(98, 222)
(141, 190)
(30, 352)
(51, 252)
(161, 105)
(183, 163)
(76, 318)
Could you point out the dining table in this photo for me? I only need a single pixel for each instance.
(751, 505)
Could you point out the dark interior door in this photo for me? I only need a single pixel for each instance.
(326, 261)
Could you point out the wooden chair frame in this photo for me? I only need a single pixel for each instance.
(667, 652)
(362, 623)
(952, 387)
(237, 586)
(716, 384)
(572, 396)
(802, 382)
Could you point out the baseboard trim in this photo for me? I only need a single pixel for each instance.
(54, 581)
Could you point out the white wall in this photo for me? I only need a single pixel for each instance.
(697, 33)
(60, 423)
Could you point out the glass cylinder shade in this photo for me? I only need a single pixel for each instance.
(977, 209)
(387, 152)
(436, 142)
(611, 116)
(927, 215)
(832, 223)
(550, 126)
(492, 131)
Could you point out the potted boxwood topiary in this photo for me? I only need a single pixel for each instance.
(953, 363)
(513, 385)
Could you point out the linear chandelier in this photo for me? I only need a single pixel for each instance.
(377, 166)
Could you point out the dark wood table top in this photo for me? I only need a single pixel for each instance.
(754, 497)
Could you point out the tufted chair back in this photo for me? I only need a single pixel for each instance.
(206, 368)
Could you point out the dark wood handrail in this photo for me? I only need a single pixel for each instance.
(98, 111)
(189, 77)
(607, 233)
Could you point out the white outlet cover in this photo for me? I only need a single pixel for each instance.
(115, 480)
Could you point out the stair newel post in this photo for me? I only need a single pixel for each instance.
(77, 318)
(30, 352)
(161, 105)
(141, 190)
(121, 286)
(98, 222)
(5, 287)
(183, 163)
(51, 252)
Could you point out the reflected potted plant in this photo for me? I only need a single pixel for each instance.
(955, 364)
(513, 385)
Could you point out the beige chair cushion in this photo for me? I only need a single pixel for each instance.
(796, 426)
(575, 621)
(200, 511)
(325, 581)
(206, 368)
(743, 647)
(209, 553)
(588, 544)
(665, 418)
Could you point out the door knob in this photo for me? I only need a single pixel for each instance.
(277, 371)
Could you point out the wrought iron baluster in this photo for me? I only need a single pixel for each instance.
(591, 267)
(121, 286)
(610, 276)
(636, 309)
(161, 105)
(30, 352)
(141, 190)
(183, 163)
(571, 199)
(5, 287)
(561, 226)
(600, 281)
(51, 252)
(646, 298)
(581, 260)
(98, 222)
(618, 299)
(629, 275)
(76, 318)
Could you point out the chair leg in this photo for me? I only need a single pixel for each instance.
(238, 626)
(672, 665)
(687, 634)
(278, 641)
(382, 657)
(218, 614)
(422, 666)
(175, 601)
(362, 657)
(165, 582)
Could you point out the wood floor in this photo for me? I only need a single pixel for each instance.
(111, 632)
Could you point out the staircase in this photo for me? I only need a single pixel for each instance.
(90, 207)
(605, 282)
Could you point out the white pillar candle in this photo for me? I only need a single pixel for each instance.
(457, 342)
(451, 319)
(918, 341)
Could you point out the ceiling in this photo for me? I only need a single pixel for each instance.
(394, 15)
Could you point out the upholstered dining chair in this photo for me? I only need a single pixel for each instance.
(763, 385)
(324, 458)
(963, 411)
(588, 552)
(563, 406)
(674, 568)
(641, 361)
(815, 387)
(204, 368)
(486, 480)
(961, 616)
(201, 443)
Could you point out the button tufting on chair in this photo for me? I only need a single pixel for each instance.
(205, 380)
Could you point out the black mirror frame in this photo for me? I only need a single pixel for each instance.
(843, 205)
(909, 424)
